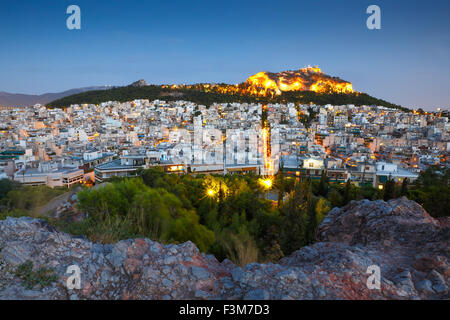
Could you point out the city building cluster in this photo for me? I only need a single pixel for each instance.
(91, 143)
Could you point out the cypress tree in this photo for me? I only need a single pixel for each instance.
(347, 199)
(389, 190)
(404, 191)
(323, 184)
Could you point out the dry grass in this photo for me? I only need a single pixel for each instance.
(241, 248)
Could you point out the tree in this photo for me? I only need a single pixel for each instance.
(130, 208)
(322, 208)
(323, 184)
(404, 190)
(334, 197)
(221, 197)
(389, 189)
(279, 185)
(294, 213)
(6, 186)
(347, 196)
(432, 191)
(312, 222)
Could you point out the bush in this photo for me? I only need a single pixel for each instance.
(129, 208)
(29, 198)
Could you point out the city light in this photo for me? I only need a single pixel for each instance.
(266, 183)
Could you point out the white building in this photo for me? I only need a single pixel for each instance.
(50, 176)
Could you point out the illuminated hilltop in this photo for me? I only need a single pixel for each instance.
(274, 84)
(305, 79)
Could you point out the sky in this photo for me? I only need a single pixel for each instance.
(164, 42)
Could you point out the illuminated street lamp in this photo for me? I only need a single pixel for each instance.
(267, 183)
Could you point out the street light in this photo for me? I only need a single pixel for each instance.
(266, 183)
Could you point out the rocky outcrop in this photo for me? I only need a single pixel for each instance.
(305, 79)
(139, 84)
(410, 247)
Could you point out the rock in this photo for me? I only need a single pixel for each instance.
(201, 294)
(237, 274)
(116, 258)
(404, 281)
(440, 288)
(166, 283)
(200, 273)
(425, 286)
(170, 260)
(139, 83)
(258, 294)
(410, 247)
(437, 278)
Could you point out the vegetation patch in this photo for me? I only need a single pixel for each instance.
(43, 277)
(227, 216)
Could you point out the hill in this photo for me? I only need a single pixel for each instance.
(198, 94)
(307, 86)
(26, 100)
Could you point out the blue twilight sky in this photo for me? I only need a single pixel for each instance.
(406, 62)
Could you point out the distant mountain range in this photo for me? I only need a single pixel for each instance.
(26, 100)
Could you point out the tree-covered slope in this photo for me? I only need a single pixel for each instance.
(198, 95)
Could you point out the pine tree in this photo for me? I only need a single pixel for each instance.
(294, 213)
(311, 224)
(404, 191)
(279, 185)
(347, 198)
(221, 198)
(389, 189)
(323, 184)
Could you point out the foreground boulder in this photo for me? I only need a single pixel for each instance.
(410, 248)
